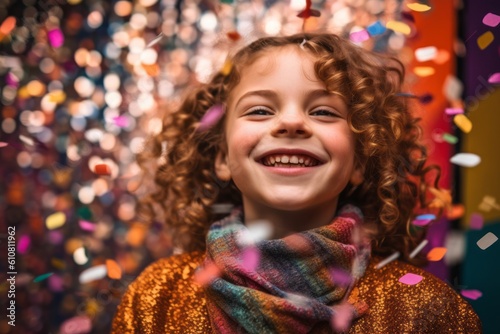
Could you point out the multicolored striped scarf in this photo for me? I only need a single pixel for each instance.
(298, 284)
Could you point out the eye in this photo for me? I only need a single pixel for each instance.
(259, 111)
(324, 112)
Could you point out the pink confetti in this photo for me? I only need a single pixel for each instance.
(56, 38)
(453, 111)
(77, 325)
(476, 221)
(411, 279)
(86, 225)
(55, 237)
(121, 121)
(341, 277)
(56, 283)
(23, 244)
(421, 222)
(494, 78)
(359, 36)
(250, 258)
(342, 317)
(211, 117)
(3, 144)
(491, 20)
(471, 294)
(11, 80)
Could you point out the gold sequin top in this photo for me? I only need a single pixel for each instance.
(164, 299)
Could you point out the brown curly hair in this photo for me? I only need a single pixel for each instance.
(386, 135)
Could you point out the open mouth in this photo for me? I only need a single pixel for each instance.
(290, 161)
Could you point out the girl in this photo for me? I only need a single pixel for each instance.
(317, 141)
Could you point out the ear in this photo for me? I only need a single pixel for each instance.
(222, 166)
(357, 176)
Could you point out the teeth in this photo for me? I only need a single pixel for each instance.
(285, 159)
(289, 161)
(294, 160)
(301, 160)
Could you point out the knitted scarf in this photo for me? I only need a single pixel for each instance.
(298, 284)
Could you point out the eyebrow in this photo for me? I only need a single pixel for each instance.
(313, 94)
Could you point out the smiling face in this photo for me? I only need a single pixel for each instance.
(289, 150)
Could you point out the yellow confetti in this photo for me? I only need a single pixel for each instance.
(418, 7)
(463, 123)
(226, 68)
(55, 220)
(398, 27)
(114, 270)
(57, 96)
(485, 39)
(424, 71)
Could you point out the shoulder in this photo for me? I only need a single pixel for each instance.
(162, 296)
(430, 305)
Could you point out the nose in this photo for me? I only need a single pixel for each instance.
(292, 123)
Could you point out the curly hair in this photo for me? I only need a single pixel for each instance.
(386, 134)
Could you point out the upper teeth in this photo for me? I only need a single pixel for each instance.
(289, 159)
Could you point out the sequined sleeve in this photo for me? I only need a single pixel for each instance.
(163, 299)
(430, 306)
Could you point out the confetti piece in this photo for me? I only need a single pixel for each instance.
(436, 254)
(411, 279)
(455, 212)
(418, 7)
(485, 40)
(418, 248)
(86, 225)
(449, 138)
(57, 96)
(442, 57)
(121, 121)
(488, 203)
(476, 221)
(471, 294)
(487, 240)
(423, 220)
(3, 144)
(399, 27)
(206, 274)
(341, 277)
(92, 274)
(424, 71)
(494, 78)
(256, 231)
(359, 36)
(80, 324)
(211, 117)
(454, 111)
(42, 277)
(23, 244)
(226, 68)
(453, 88)
(7, 26)
(250, 258)
(376, 28)
(233, 35)
(426, 53)
(27, 140)
(387, 260)
(55, 220)
(155, 40)
(491, 20)
(342, 317)
(56, 38)
(56, 283)
(102, 169)
(465, 159)
(463, 123)
(113, 269)
(79, 256)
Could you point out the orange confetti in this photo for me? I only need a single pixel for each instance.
(102, 169)
(455, 212)
(442, 57)
(226, 68)
(436, 254)
(424, 71)
(207, 274)
(7, 26)
(485, 40)
(233, 35)
(136, 235)
(114, 270)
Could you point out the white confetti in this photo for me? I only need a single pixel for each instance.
(418, 248)
(387, 260)
(79, 256)
(465, 159)
(92, 274)
(487, 240)
(426, 53)
(27, 140)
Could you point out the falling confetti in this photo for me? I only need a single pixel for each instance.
(42, 277)
(155, 41)
(449, 138)
(487, 240)
(92, 274)
(102, 169)
(341, 277)
(494, 78)
(424, 71)
(471, 294)
(205, 275)
(399, 27)
(113, 269)
(410, 279)
(436, 254)
(419, 248)
(80, 324)
(56, 38)
(423, 220)
(491, 19)
(342, 317)
(426, 53)
(308, 11)
(250, 258)
(211, 117)
(465, 159)
(226, 68)
(55, 220)
(23, 244)
(387, 260)
(454, 111)
(3, 144)
(418, 7)
(359, 36)
(376, 28)
(27, 140)
(233, 35)
(476, 221)
(488, 203)
(463, 123)
(485, 40)
(79, 256)
(86, 225)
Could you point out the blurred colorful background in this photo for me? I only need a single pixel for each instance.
(84, 82)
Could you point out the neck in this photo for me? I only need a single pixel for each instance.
(285, 222)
